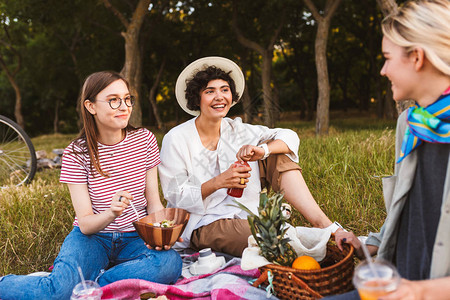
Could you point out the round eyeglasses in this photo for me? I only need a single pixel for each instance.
(116, 102)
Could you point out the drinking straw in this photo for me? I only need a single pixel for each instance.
(369, 259)
(82, 278)
(135, 211)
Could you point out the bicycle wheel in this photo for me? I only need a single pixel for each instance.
(17, 155)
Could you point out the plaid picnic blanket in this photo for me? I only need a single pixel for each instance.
(229, 282)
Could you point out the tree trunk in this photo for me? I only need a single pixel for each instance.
(18, 104)
(245, 97)
(18, 107)
(246, 105)
(304, 104)
(132, 68)
(267, 90)
(276, 102)
(380, 100)
(386, 107)
(132, 71)
(266, 68)
(152, 97)
(71, 47)
(323, 101)
(389, 105)
(310, 115)
(323, 24)
(389, 7)
(56, 119)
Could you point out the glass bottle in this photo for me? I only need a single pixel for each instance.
(237, 192)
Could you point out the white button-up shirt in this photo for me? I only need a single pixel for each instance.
(186, 164)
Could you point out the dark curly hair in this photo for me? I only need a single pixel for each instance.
(199, 82)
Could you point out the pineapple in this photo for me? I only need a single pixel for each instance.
(268, 229)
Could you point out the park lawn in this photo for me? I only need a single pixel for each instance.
(343, 171)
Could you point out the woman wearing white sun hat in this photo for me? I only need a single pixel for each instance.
(197, 158)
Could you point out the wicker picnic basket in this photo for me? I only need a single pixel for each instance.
(335, 276)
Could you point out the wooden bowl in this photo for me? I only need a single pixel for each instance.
(157, 236)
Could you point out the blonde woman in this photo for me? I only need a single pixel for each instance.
(415, 235)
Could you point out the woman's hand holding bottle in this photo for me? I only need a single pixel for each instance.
(241, 171)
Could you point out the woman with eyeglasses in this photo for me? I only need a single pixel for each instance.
(108, 166)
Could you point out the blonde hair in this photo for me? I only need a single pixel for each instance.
(422, 24)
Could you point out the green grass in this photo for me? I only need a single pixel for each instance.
(343, 171)
(34, 221)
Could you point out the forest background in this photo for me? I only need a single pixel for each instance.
(47, 48)
(312, 66)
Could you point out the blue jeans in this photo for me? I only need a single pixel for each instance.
(103, 257)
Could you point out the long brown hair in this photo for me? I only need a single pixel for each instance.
(92, 86)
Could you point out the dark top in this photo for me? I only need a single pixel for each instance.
(420, 217)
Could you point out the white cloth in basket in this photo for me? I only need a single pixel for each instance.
(304, 240)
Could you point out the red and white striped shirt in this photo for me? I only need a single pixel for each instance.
(126, 163)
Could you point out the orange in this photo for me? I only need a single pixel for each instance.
(305, 263)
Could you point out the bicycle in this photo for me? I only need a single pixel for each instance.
(18, 161)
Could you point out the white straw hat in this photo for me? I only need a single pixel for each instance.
(201, 64)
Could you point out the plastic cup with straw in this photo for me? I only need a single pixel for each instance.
(374, 279)
(86, 289)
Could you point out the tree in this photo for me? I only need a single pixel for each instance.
(298, 89)
(152, 97)
(264, 47)
(132, 68)
(11, 59)
(196, 29)
(354, 57)
(323, 25)
(11, 75)
(163, 59)
(389, 7)
(246, 101)
(69, 32)
(60, 43)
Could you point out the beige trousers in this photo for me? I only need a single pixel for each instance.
(231, 235)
